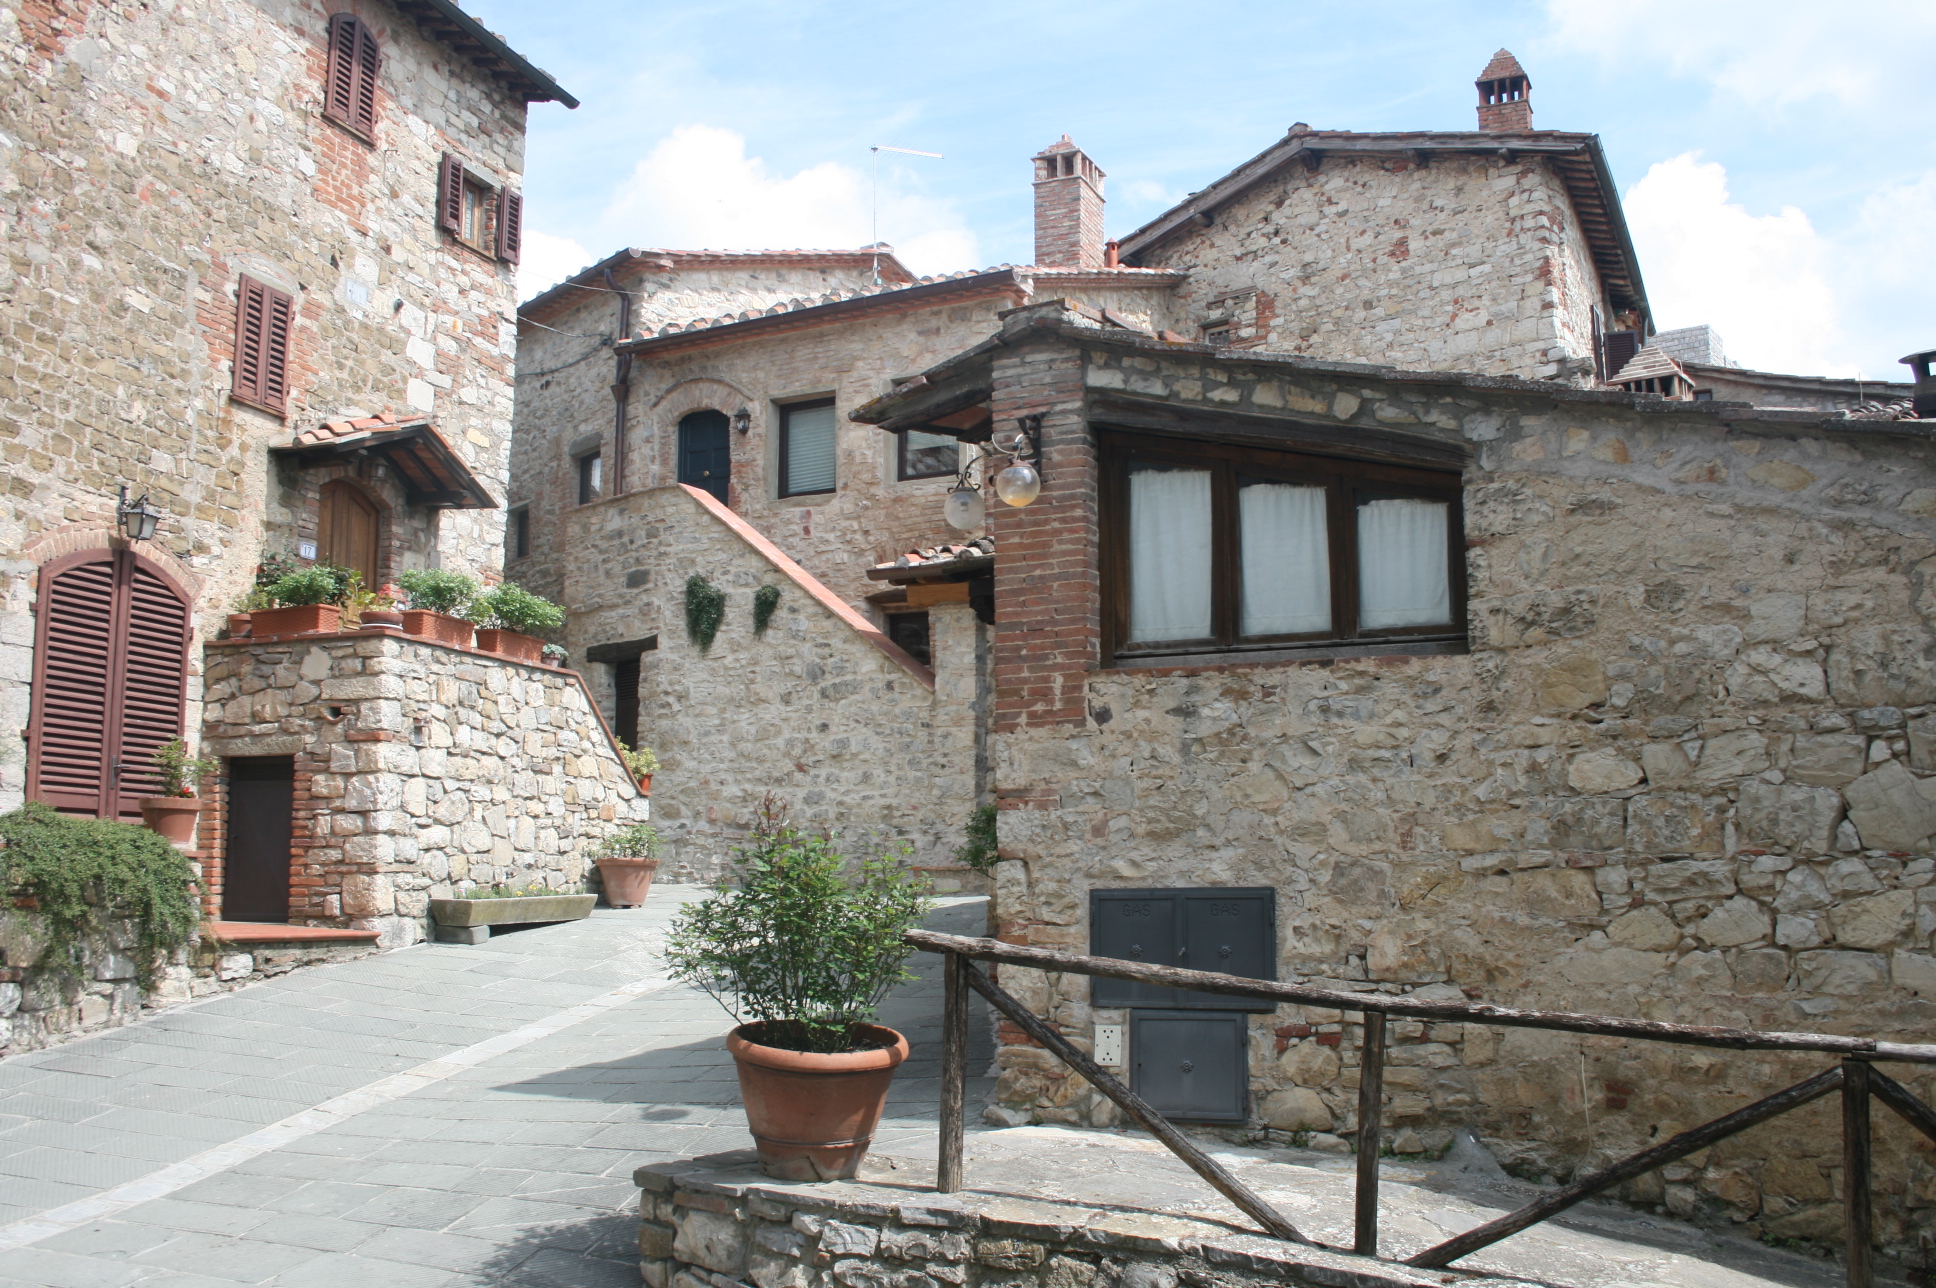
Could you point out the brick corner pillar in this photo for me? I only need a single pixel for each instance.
(1505, 96)
(1048, 605)
(1068, 207)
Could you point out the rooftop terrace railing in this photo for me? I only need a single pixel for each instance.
(1854, 1077)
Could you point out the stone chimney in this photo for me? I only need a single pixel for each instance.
(1068, 208)
(1505, 96)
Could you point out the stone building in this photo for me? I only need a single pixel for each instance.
(260, 273)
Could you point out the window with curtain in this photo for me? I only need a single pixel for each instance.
(1212, 547)
(807, 448)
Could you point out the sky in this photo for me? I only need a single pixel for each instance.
(1777, 158)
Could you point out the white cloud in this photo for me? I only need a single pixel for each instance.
(698, 189)
(1766, 53)
(1761, 281)
(545, 260)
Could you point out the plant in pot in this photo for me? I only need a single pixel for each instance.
(506, 615)
(308, 601)
(436, 599)
(801, 953)
(172, 815)
(381, 613)
(627, 861)
(643, 764)
(241, 620)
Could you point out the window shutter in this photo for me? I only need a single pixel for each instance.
(69, 768)
(368, 59)
(339, 85)
(450, 193)
(152, 679)
(510, 224)
(1621, 346)
(263, 316)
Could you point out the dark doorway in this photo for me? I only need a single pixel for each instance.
(705, 454)
(255, 872)
(911, 632)
(625, 701)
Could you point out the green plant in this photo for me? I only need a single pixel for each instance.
(808, 944)
(980, 850)
(313, 585)
(80, 871)
(643, 762)
(765, 600)
(639, 841)
(257, 599)
(532, 891)
(179, 771)
(556, 655)
(705, 610)
(274, 568)
(435, 591)
(510, 607)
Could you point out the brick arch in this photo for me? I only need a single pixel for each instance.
(660, 424)
(75, 537)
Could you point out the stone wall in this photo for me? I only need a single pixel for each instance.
(421, 771)
(821, 710)
(1684, 771)
(1470, 263)
(149, 156)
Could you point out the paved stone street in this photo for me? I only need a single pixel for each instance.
(440, 1115)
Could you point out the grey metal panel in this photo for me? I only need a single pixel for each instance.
(1136, 926)
(1190, 1065)
(1230, 930)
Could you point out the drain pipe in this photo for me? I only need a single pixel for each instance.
(621, 385)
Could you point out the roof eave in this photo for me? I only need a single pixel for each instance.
(538, 86)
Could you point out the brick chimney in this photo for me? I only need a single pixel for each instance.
(1505, 96)
(1068, 208)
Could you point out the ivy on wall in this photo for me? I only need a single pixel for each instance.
(705, 610)
(765, 600)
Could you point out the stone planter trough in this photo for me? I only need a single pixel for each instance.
(469, 921)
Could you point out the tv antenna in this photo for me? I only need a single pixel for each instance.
(875, 162)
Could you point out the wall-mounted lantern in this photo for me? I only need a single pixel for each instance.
(742, 421)
(137, 521)
(1017, 484)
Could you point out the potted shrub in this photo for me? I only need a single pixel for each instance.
(307, 602)
(801, 953)
(436, 599)
(173, 814)
(506, 615)
(556, 656)
(383, 613)
(627, 861)
(642, 763)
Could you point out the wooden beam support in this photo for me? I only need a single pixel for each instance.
(954, 1072)
(1371, 1112)
(1858, 1212)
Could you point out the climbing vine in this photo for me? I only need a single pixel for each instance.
(765, 600)
(705, 609)
(979, 850)
(81, 871)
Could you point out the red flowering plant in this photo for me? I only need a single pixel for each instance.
(179, 771)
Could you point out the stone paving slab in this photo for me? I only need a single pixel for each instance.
(496, 1167)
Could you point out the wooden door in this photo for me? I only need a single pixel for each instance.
(346, 530)
(255, 869)
(110, 664)
(705, 453)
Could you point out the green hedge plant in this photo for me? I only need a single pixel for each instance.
(765, 600)
(313, 585)
(639, 841)
(808, 943)
(80, 872)
(705, 610)
(510, 607)
(435, 591)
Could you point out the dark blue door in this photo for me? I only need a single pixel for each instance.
(705, 456)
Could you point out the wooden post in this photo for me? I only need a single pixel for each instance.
(1858, 1218)
(1371, 1106)
(954, 1071)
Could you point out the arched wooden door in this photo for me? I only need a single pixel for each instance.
(110, 672)
(346, 530)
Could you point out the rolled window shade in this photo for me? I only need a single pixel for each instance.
(809, 450)
(1169, 555)
(1402, 566)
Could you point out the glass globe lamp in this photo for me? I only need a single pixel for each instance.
(964, 508)
(1018, 484)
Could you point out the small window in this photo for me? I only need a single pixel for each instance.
(1218, 336)
(807, 448)
(490, 220)
(927, 456)
(349, 85)
(591, 477)
(1213, 548)
(520, 533)
(911, 632)
(473, 222)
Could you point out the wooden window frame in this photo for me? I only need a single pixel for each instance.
(350, 78)
(1345, 481)
(499, 234)
(901, 472)
(786, 434)
(588, 490)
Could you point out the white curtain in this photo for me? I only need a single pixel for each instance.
(810, 449)
(1286, 559)
(1402, 565)
(1169, 555)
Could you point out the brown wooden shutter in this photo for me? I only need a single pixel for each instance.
(450, 193)
(1620, 348)
(368, 60)
(110, 663)
(263, 319)
(510, 224)
(339, 84)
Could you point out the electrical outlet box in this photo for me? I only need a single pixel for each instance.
(1109, 1046)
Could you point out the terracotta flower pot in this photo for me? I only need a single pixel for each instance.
(645, 784)
(382, 619)
(627, 880)
(813, 1116)
(172, 817)
(306, 619)
(440, 627)
(518, 647)
(238, 626)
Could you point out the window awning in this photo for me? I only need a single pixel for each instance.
(432, 473)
